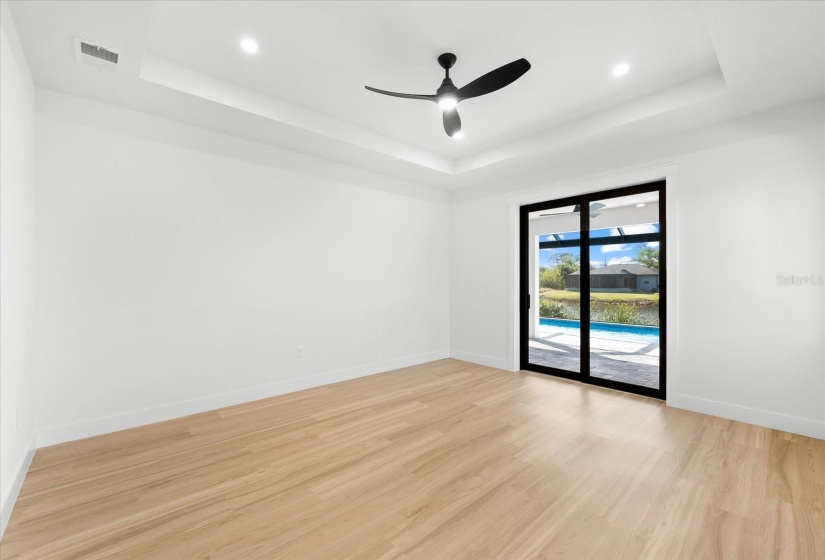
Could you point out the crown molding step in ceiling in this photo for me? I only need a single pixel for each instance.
(292, 74)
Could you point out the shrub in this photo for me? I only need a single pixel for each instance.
(572, 311)
(621, 313)
(551, 308)
(551, 278)
(601, 312)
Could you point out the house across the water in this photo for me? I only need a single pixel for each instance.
(629, 277)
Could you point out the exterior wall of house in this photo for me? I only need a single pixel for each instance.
(614, 283)
(652, 283)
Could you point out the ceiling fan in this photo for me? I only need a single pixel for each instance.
(448, 96)
(577, 210)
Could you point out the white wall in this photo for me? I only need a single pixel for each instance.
(180, 269)
(17, 242)
(479, 281)
(747, 211)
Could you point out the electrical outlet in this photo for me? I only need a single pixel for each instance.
(299, 352)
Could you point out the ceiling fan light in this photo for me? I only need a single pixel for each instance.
(249, 46)
(621, 69)
(447, 103)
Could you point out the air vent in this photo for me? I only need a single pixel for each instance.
(95, 56)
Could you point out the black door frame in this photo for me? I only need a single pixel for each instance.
(585, 243)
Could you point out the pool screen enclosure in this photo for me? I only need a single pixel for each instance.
(593, 288)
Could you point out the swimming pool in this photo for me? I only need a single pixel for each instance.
(618, 331)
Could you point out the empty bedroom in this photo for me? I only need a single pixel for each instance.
(415, 280)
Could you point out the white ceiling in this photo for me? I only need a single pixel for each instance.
(321, 55)
(304, 89)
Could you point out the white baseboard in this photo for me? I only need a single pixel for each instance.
(16, 485)
(97, 426)
(793, 424)
(500, 363)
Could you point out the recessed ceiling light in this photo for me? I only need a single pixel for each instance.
(447, 103)
(458, 135)
(621, 69)
(640, 205)
(249, 46)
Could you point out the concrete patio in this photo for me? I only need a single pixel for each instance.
(618, 358)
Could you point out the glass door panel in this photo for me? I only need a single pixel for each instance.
(623, 241)
(554, 241)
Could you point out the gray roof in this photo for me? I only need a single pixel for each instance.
(629, 268)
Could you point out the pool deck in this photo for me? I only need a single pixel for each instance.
(629, 361)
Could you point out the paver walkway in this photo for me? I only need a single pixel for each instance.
(628, 361)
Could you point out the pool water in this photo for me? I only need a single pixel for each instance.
(616, 331)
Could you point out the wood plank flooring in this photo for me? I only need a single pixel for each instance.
(443, 460)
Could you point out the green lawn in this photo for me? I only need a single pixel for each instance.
(598, 296)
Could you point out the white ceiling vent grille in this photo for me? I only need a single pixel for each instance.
(95, 56)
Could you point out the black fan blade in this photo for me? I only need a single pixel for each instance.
(404, 95)
(495, 80)
(452, 122)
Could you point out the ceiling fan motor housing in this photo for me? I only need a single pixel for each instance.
(447, 60)
(446, 87)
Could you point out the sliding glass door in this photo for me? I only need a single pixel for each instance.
(552, 251)
(624, 234)
(593, 287)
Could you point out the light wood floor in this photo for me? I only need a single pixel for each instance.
(444, 460)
